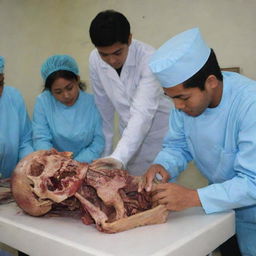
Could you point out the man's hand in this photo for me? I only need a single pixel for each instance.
(150, 175)
(106, 163)
(174, 196)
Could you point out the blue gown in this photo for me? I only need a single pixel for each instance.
(76, 128)
(222, 142)
(15, 130)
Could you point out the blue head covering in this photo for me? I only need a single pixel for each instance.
(59, 62)
(1, 65)
(180, 58)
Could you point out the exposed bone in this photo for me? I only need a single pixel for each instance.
(54, 169)
(30, 176)
(107, 190)
(98, 215)
(23, 194)
(156, 215)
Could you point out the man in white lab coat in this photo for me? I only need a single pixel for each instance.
(122, 82)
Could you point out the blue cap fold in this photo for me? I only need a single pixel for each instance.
(59, 62)
(179, 58)
(2, 65)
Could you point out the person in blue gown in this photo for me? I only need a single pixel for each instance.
(65, 116)
(214, 124)
(15, 127)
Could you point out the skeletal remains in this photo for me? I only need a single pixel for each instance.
(48, 180)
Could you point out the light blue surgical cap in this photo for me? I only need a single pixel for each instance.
(1, 65)
(59, 62)
(180, 58)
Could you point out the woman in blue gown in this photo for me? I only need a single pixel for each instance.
(65, 117)
(15, 131)
(15, 127)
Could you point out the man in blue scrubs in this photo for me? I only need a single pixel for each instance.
(214, 124)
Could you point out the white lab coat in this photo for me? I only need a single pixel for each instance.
(140, 103)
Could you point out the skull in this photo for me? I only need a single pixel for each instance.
(44, 177)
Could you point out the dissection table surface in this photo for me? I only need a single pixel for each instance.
(190, 232)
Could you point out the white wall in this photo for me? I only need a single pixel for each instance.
(32, 30)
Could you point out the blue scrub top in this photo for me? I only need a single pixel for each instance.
(76, 128)
(15, 130)
(222, 142)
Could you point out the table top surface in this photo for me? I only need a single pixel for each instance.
(183, 230)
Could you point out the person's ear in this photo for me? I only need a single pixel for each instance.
(211, 82)
(129, 39)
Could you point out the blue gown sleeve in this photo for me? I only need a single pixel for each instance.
(174, 155)
(25, 139)
(42, 138)
(96, 148)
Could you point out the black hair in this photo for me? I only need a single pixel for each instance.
(68, 75)
(109, 27)
(211, 67)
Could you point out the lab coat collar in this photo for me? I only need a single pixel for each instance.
(131, 58)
